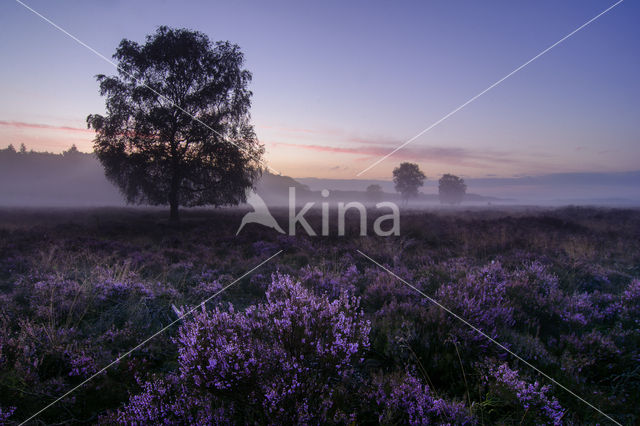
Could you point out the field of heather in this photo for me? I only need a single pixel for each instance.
(320, 333)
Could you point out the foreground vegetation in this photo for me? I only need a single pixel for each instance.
(320, 334)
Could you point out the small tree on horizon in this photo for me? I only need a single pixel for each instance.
(408, 178)
(149, 143)
(72, 151)
(374, 193)
(451, 189)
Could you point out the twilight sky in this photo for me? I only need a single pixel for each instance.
(339, 84)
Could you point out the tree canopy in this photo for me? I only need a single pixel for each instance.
(408, 178)
(451, 189)
(177, 126)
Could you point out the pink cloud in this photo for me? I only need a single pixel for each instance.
(372, 148)
(445, 155)
(24, 125)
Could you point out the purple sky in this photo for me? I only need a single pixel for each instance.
(339, 84)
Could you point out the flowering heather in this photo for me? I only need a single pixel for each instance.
(481, 299)
(5, 413)
(320, 335)
(630, 305)
(331, 284)
(403, 399)
(283, 360)
(532, 397)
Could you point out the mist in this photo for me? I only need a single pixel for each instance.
(76, 179)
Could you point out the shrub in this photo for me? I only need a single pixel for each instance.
(287, 360)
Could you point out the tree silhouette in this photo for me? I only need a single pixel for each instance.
(374, 193)
(71, 152)
(149, 143)
(451, 189)
(408, 178)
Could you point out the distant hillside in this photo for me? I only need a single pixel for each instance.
(43, 179)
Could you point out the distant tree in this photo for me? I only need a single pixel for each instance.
(11, 149)
(408, 178)
(149, 143)
(71, 151)
(23, 148)
(451, 189)
(374, 193)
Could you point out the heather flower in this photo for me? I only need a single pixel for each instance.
(630, 304)
(481, 299)
(585, 354)
(537, 405)
(579, 310)
(264, 248)
(282, 358)
(5, 413)
(209, 282)
(82, 365)
(166, 401)
(332, 284)
(404, 399)
(536, 297)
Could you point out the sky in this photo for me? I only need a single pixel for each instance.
(337, 85)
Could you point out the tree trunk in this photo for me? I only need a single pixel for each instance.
(174, 196)
(174, 200)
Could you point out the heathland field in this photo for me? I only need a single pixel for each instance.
(334, 329)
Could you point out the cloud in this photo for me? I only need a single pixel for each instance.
(444, 155)
(370, 148)
(24, 125)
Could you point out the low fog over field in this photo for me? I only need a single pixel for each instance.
(77, 179)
